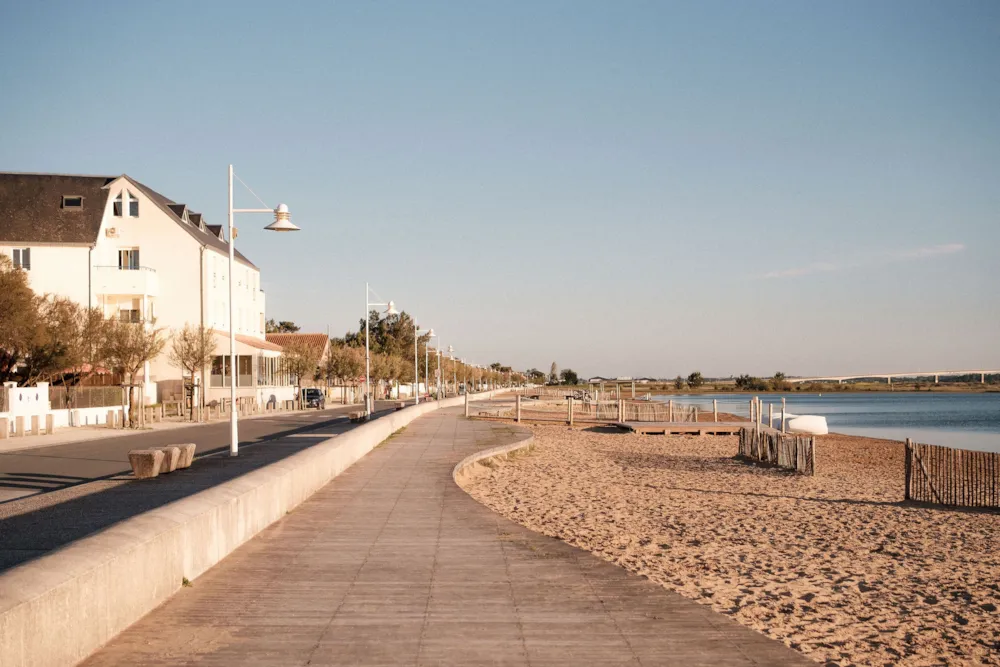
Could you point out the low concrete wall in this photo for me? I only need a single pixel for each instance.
(60, 608)
(471, 466)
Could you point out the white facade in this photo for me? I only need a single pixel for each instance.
(152, 260)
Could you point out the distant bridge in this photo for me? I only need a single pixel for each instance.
(889, 376)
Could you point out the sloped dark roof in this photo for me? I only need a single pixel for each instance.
(215, 229)
(203, 236)
(31, 208)
(195, 218)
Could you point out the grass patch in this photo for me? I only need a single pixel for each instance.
(185, 582)
(394, 434)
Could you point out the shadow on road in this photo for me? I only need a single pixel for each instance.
(81, 506)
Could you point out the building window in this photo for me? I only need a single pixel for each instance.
(221, 367)
(131, 315)
(22, 258)
(133, 205)
(72, 202)
(128, 259)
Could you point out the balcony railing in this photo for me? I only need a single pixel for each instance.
(115, 280)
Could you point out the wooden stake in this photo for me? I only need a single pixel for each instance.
(517, 412)
(715, 409)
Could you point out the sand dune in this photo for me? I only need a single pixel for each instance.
(833, 565)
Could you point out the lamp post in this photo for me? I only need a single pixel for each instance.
(454, 366)
(389, 310)
(427, 367)
(417, 332)
(282, 223)
(439, 370)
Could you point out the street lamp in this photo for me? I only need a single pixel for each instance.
(389, 310)
(427, 371)
(282, 223)
(454, 366)
(417, 332)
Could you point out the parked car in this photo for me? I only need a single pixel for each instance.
(313, 398)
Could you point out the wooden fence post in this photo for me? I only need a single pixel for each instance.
(570, 409)
(517, 412)
(466, 401)
(671, 404)
(621, 410)
(770, 415)
(782, 415)
(908, 475)
(715, 409)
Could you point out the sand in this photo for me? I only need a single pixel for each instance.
(832, 565)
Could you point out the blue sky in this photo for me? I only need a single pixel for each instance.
(623, 188)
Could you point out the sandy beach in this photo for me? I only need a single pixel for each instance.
(833, 565)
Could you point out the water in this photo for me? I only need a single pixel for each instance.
(966, 421)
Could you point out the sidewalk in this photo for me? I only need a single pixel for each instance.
(393, 564)
(71, 434)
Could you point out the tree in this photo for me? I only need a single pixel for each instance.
(695, 380)
(19, 318)
(569, 377)
(678, 382)
(554, 374)
(344, 364)
(191, 350)
(284, 326)
(750, 383)
(129, 346)
(779, 383)
(301, 360)
(535, 376)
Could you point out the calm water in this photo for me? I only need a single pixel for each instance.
(968, 421)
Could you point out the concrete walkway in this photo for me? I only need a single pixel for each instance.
(393, 564)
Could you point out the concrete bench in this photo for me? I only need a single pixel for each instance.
(357, 417)
(145, 463)
(171, 455)
(187, 455)
(400, 405)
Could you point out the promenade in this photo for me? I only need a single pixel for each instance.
(391, 563)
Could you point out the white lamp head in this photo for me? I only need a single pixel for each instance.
(391, 310)
(451, 349)
(431, 334)
(282, 221)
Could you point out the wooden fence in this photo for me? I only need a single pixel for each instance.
(85, 397)
(794, 452)
(955, 477)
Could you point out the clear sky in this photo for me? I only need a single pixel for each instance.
(626, 188)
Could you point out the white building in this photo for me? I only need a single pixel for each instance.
(116, 244)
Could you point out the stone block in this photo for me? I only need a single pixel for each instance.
(145, 462)
(400, 405)
(50, 424)
(19, 426)
(187, 455)
(4, 428)
(171, 456)
(357, 417)
(110, 423)
(36, 425)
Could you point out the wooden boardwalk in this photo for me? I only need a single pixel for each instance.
(683, 428)
(393, 564)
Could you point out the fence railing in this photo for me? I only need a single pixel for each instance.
(955, 477)
(84, 397)
(794, 452)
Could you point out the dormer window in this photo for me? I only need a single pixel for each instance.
(133, 204)
(72, 202)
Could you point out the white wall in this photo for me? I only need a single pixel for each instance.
(59, 270)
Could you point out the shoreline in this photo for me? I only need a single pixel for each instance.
(835, 565)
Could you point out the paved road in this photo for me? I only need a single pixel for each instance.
(77, 489)
(31, 471)
(393, 564)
